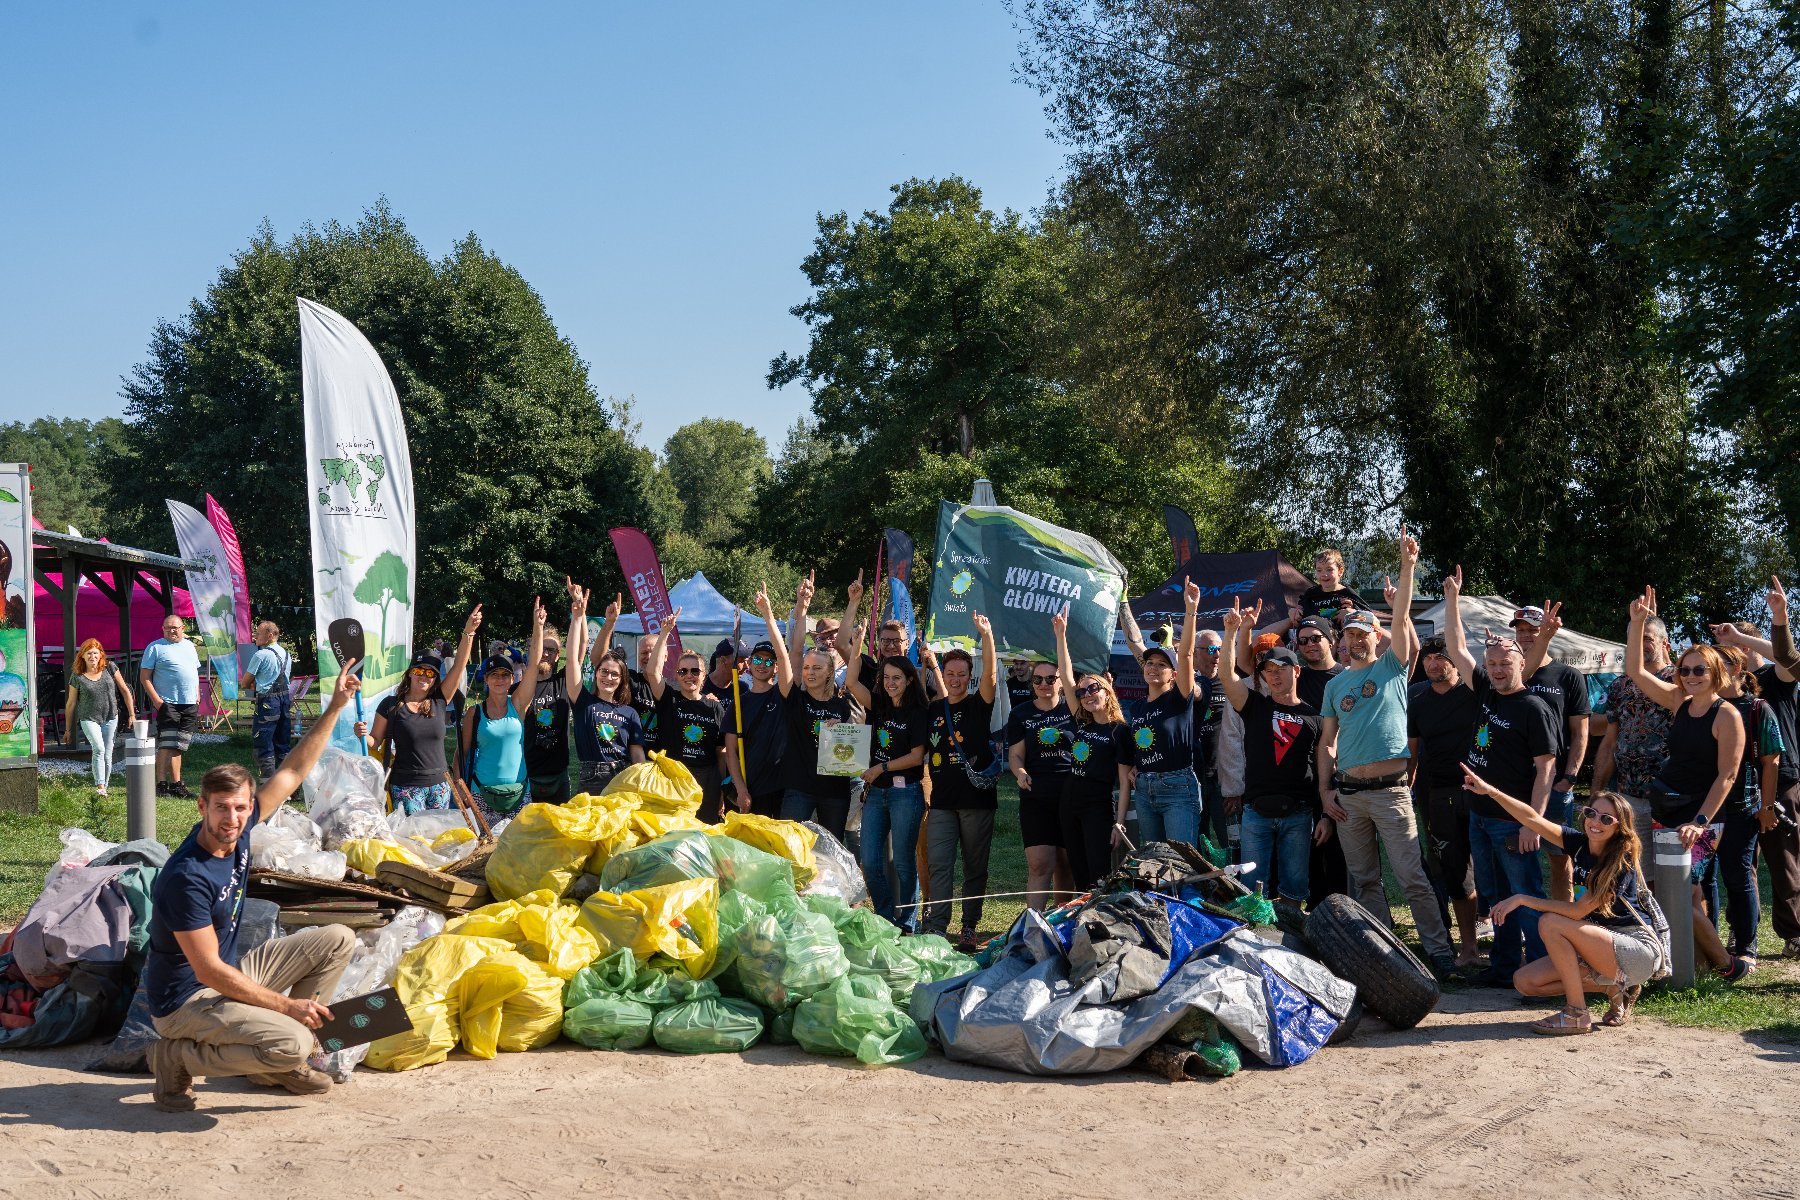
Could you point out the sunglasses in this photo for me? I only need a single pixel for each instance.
(1699, 670)
(1090, 690)
(762, 660)
(687, 670)
(1043, 680)
(1209, 649)
(1312, 639)
(1607, 820)
(424, 672)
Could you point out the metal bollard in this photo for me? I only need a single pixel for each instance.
(140, 788)
(1671, 862)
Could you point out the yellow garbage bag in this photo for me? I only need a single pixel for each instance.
(651, 825)
(662, 784)
(784, 839)
(427, 981)
(499, 919)
(508, 1003)
(679, 921)
(367, 854)
(547, 846)
(613, 821)
(451, 838)
(551, 935)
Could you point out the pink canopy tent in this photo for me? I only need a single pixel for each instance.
(98, 617)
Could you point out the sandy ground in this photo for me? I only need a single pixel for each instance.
(1466, 1105)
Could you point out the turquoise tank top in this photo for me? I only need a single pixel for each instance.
(499, 747)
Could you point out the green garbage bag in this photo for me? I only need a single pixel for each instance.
(827, 906)
(709, 1025)
(765, 877)
(736, 909)
(786, 955)
(609, 1023)
(657, 988)
(611, 976)
(854, 1018)
(861, 928)
(781, 1027)
(937, 958)
(889, 960)
(671, 858)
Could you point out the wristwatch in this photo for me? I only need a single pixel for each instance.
(1570, 778)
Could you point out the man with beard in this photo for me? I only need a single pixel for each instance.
(215, 1015)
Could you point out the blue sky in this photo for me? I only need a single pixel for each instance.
(653, 170)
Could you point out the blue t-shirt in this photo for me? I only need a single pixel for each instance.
(269, 666)
(606, 733)
(1162, 731)
(1370, 706)
(174, 670)
(194, 889)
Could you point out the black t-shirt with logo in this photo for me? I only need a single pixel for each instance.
(1162, 732)
(692, 730)
(1095, 753)
(1279, 740)
(763, 718)
(1564, 689)
(547, 728)
(1315, 601)
(950, 786)
(1443, 724)
(1209, 713)
(800, 764)
(1045, 733)
(1311, 685)
(1018, 691)
(1510, 733)
(894, 732)
(645, 703)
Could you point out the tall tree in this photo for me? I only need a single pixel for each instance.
(518, 467)
(66, 457)
(716, 466)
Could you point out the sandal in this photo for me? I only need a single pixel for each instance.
(1564, 1023)
(1618, 1010)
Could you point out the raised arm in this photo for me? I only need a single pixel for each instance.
(465, 648)
(1527, 816)
(1059, 624)
(1665, 693)
(1184, 663)
(1540, 649)
(846, 634)
(928, 666)
(300, 761)
(657, 654)
(1781, 636)
(576, 648)
(1456, 642)
(796, 636)
(526, 688)
(784, 666)
(990, 659)
(853, 681)
(1134, 637)
(1404, 639)
(598, 650)
(1229, 682)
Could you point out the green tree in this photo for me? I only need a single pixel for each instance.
(384, 584)
(518, 467)
(68, 486)
(716, 466)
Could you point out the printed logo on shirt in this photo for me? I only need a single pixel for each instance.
(1048, 735)
(1368, 689)
(1080, 751)
(885, 738)
(692, 733)
(1484, 736)
(1144, 737)
(1348, 702)
(606, 731)
(546, 714)
(1284, 729)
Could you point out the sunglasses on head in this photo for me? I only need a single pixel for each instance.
(1090, 690)
(1589, 813)
(1702, 669)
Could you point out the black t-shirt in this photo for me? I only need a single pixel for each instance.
(611, 729)
(1782, 698)
(1095, 753)
(1209, 712)
(692, 730)
(1564, 689)
(547, 728)
(1443, 724)
(1162, 732)
(800, 762)
(1279, 740)
(763, 718)
(1311, 686)
(1625, 889)
(1315, 601)
(645, 703)
(894, 733)
(950, 786)
(1510, 733)
(1046, 737)
(417, 758)
(1018, 691)
(722, 691)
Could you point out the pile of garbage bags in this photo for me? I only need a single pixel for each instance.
(346, 827)
(623, 921)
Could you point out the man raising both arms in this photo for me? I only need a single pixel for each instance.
(1363, 765)
(216, 1016)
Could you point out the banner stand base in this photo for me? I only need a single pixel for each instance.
(19, 790)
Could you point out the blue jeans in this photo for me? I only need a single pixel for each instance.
(899, 811)
(1290, 839)
(1168, 806)
(1499, 873)
(830, 811)
(272, 730)
(1737, 869)
(100, 748)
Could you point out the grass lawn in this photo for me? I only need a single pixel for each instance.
(1766, 1004)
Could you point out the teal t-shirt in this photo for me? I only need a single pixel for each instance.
(1370, 707)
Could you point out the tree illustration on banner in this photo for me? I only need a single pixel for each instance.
(220, 639)
(384, 585)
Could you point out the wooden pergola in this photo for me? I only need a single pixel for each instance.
(117, 571)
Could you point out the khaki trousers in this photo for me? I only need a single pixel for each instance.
(216, 1036)
(1385, 816)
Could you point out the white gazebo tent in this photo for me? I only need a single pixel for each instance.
(1482, 614)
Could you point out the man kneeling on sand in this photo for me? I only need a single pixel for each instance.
(217, 1016)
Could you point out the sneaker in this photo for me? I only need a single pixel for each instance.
(174, 1087)
(179, 788)
(162, 787)
(1491, 978)
(1444, 966)
(1791, 949)
(1734, 970)
(302, 1081)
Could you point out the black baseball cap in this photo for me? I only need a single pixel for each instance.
(1277, 654)
(497, 662)
(1319, 625)
(730, 648)
(426, 658)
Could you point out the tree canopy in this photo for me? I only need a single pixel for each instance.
(68, 481)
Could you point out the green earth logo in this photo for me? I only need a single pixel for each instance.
(692, 733)
(607, 731)
(885, 738)
(1484, 737)
(1145, 737)
(1047, 736)
(961, 583)
(1081, 751)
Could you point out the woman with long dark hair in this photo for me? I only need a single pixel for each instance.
(1758, 779)
(412, 721)
(895, 798)
(1705, 754)
(1100, 757)
(1603, 941)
